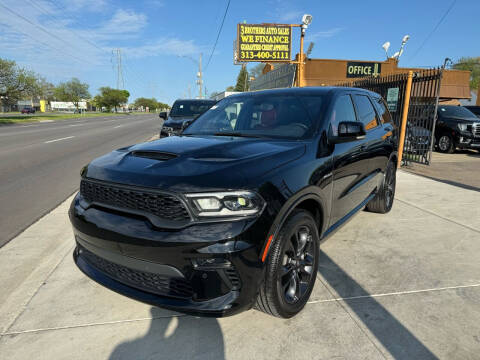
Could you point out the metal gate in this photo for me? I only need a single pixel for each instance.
(422, 111)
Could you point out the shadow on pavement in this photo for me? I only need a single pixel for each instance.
(448, 182)
(182, 337)
(394, 337)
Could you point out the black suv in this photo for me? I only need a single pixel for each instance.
(229, 215)
(456, 127)
(183, 112)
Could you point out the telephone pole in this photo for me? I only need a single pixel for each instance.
(200, 77)
(120, 79)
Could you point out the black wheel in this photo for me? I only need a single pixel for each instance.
(445, 144)
(383, 200)
(291, 267)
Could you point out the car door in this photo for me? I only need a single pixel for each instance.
(350, 164)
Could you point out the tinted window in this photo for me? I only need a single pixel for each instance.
(342, 111)
(190, 108)
(455, 111)
(382, 111)
(279, 116)
(366, 113)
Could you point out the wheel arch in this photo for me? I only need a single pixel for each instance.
(306, 200)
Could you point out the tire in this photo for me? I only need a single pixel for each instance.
(383, 201)
(281, 293)
(445, 144)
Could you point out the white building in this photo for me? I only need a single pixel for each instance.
(67, 105)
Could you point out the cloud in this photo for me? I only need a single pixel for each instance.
(165, 46)
(324, 34)
(124, 21)
(293, 16)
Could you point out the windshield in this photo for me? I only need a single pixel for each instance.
(190, 108)
(455, 111)
(277, 116)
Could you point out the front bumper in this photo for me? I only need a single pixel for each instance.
(204, 269)
(466, 140)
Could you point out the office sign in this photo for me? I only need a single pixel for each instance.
(392, 99)
(264, 42)
(363, 69)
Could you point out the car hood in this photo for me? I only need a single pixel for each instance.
(176, 122)
(194, 163)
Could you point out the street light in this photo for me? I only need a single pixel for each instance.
(400, 52)
(306, 20)
(385, 47)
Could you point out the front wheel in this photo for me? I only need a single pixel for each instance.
(383, 200)
(446, 144)
(291, 267)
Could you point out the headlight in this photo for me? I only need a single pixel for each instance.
(226, 204)
(462, 127)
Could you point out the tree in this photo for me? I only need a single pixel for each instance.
(230, 88)
(472, 64)
(152, 103)
(44, 90)
(257, 70)
(111, 98)
(15, 82)
(242, 80)
(72, 91)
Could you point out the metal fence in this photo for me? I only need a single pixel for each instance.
(420, 127)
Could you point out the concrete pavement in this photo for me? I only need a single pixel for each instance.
(40, 163)
(405, 285)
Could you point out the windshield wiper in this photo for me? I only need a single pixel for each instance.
(237, 134)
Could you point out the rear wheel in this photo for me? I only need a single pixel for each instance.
(383, 200)
(446, 144)
(291, 267)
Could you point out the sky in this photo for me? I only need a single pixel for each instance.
(161, 40)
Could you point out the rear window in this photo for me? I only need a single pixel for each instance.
(190, 108)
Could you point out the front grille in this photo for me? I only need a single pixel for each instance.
(476, 129)
(164, 206)
(149, 282)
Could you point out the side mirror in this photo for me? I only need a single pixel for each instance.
(186, 124)
(349, 131)
(163, 115)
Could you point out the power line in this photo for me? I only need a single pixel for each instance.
(434, 29)
(38, 26)
(218, 35)
(53, 17)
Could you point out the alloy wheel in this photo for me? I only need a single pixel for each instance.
(390, 183)
(444, 143)
(296, 271)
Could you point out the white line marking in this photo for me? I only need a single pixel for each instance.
(76, 125)
(92, 324)
(46, 121)
(395, 293)
(65, 138)
(116, 127)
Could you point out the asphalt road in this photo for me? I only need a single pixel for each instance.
(40, 162)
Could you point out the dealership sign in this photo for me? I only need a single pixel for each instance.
(264, 42)
(363, 69)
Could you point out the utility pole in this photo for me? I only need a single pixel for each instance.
(200, 77)
(189, 91)
(120, 79)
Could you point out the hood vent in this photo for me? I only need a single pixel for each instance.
(154, 155)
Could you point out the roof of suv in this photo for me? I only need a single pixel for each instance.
(317, 90)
